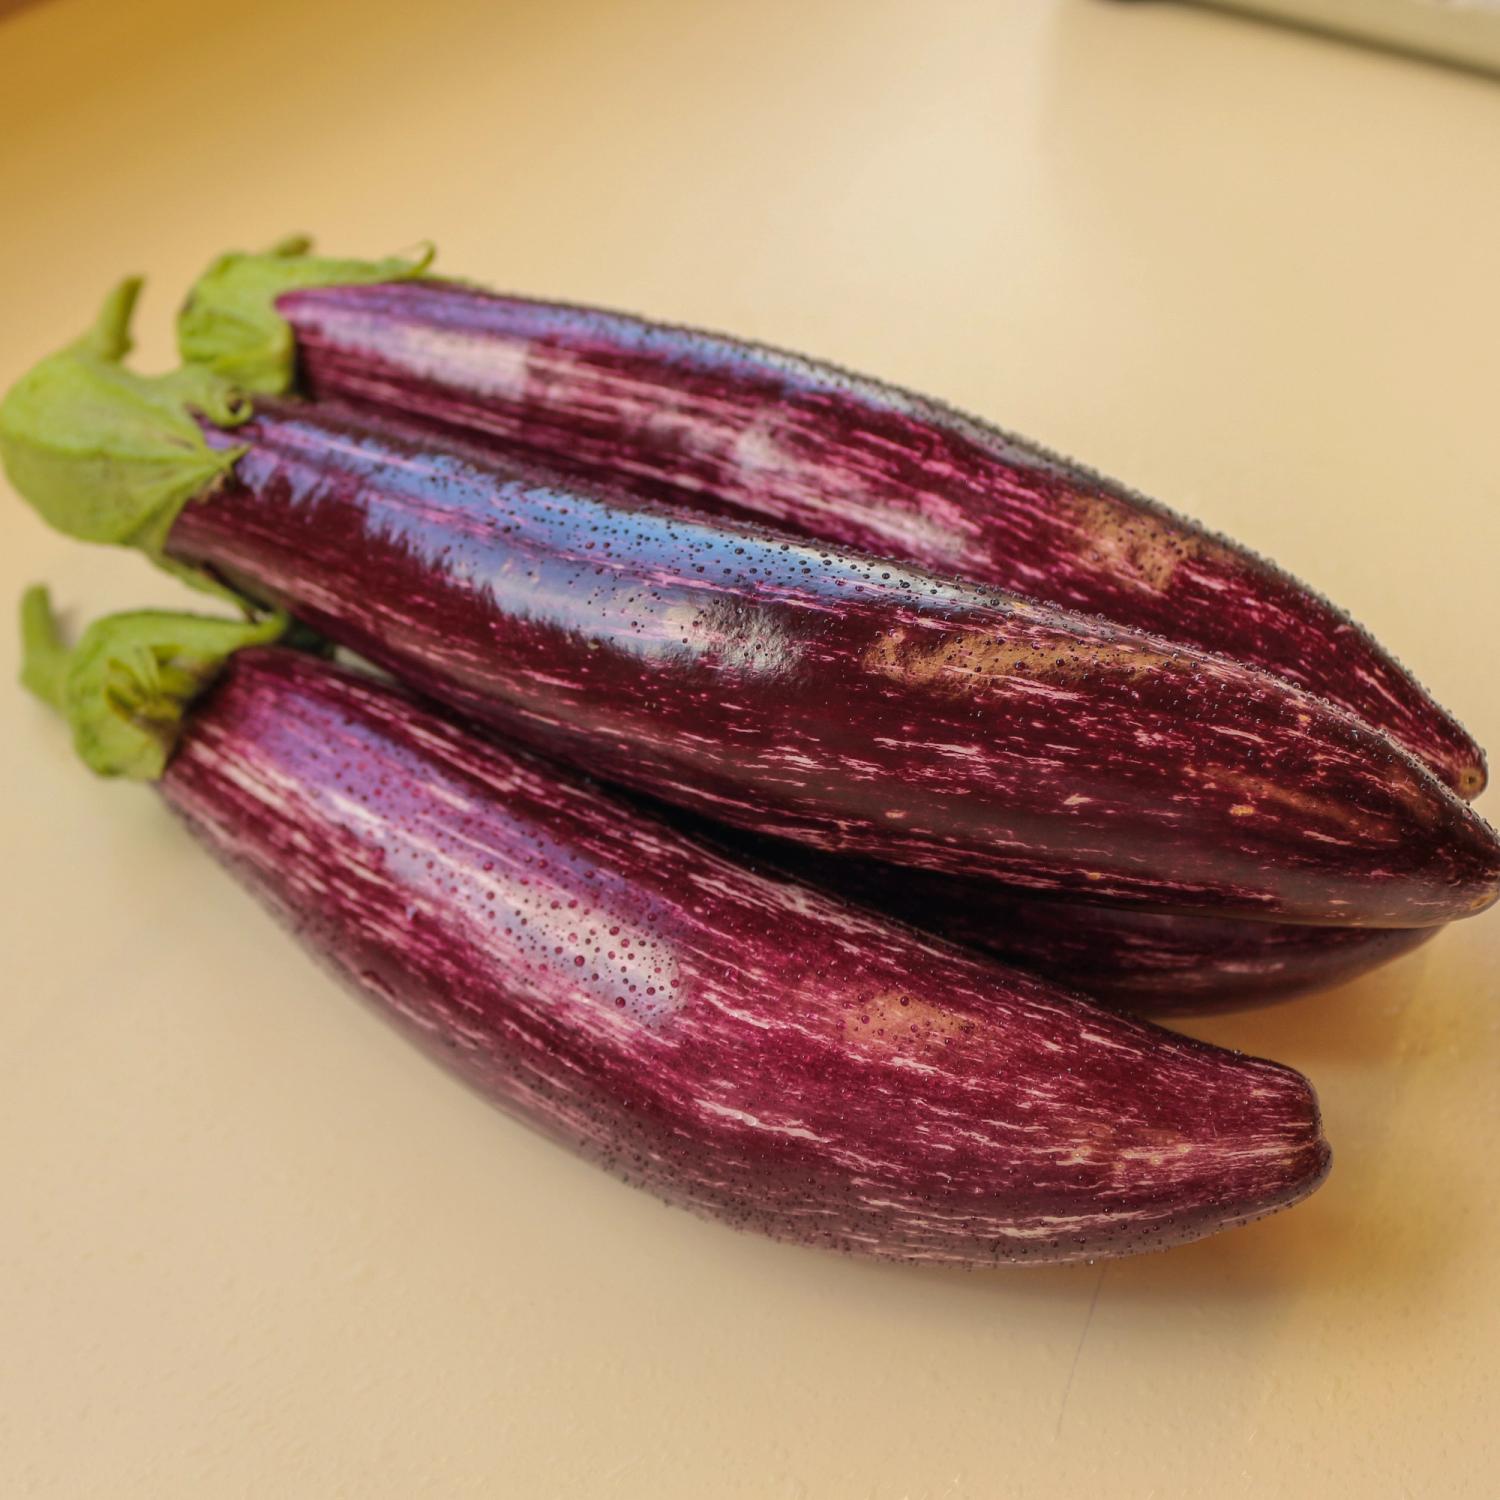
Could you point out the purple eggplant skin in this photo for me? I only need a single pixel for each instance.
(740, 1045)
(676, 415)
(853, 704)
(1159, 963)
(1151, 963)
(1143, 962)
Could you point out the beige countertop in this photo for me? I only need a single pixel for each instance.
(252, 1245)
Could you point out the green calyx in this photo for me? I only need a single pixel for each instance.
(107, 455)
(126, 685)
(230, 325)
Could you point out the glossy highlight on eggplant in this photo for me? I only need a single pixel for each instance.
(740, 1045)
(855, 704)
(689, 417)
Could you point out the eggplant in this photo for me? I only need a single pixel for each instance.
(1155, 963)
(682, 416)
(1158, 963)
(740, 1045)
(859, 705)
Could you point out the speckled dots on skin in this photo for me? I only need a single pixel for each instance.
(695, 418)
(739, 1045)
(857, 705)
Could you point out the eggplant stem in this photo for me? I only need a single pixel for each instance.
(109, 336)
(125, 687)
(44, 653)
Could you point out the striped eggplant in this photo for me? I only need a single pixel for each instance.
(679, 415)
(738, 1044)
(1157, 963)
(858, 705)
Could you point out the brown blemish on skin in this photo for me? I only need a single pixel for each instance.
(963, 662)
(1125, 541)
(1099, 1141)
(1252, 789)
(899, 1021)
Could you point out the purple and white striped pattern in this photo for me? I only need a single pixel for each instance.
(858, 705)
(674, 414)
(737, 1044)
(1156, 963)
